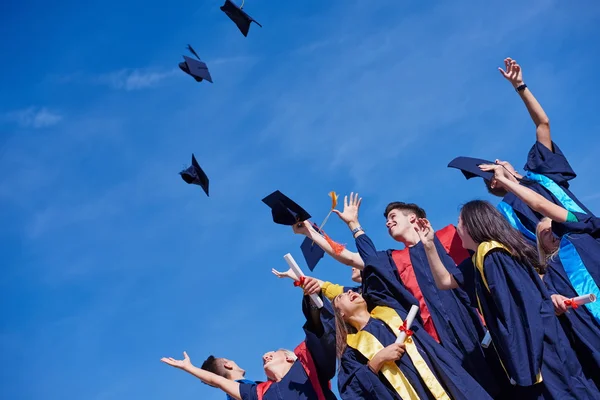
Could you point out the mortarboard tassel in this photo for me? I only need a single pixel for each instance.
(334, 199)
(336, 247)
(193, 51)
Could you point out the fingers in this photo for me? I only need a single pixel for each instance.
(487, 167)
(311, 286)
(504, 74)
(185, 356)
(346, 201)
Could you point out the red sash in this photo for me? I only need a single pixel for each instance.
(407, 274)
(453, 245)
(309, 367)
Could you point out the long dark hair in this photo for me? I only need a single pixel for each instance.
(342, 329)
(484, 223)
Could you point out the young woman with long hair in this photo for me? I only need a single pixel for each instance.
(569, 250)
(517, 307)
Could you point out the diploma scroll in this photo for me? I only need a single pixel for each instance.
(409, 320)
(316, 300)
(581, 300)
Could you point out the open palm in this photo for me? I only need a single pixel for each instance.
(425, 231)
(181, 364)
(350, 213)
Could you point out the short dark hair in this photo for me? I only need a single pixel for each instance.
(405, 207)
(497, 191)
(215, 365)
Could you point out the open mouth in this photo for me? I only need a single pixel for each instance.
(353, 296)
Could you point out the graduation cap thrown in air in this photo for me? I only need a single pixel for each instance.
(470, 167)
(311, 252)
(196, 68)
(195, 175)
(284, 210)
(238, 16)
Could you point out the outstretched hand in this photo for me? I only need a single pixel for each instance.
(425, 231)
(287, 274)
(513, 72)
(350, 213)
(184, 364)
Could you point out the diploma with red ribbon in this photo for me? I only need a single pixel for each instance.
(405, 327)
(316, 300)
(580, 300)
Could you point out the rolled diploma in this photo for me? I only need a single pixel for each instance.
(412, 313)
(581, 300)
(316, 300)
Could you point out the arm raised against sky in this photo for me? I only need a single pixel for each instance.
(346, 257)
(443, 279)
(534, 200)
(514, 75)
(230, 387)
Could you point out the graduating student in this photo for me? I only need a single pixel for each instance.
(372, 366)
(227, 369)
(548, 171)
(447, 316)
(516, 305)
(569, 250)
(302, 374)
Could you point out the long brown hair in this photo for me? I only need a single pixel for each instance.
(342, 329)
(484, 223)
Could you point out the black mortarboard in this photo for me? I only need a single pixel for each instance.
(195, 175)
(239, 16)
(470, 167)
(196, 68)
(312, 252)
(285, 211)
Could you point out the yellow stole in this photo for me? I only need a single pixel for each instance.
(368, 345)
(478, 260)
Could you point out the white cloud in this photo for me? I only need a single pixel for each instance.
(33, 117)
(133, 79)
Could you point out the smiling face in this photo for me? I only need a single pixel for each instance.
(399, 223)
(349, 303)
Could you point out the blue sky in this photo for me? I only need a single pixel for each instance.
(110, 261)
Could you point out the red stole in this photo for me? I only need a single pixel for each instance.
(310, 368)
(453, 246)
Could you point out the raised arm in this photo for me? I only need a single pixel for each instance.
(364, 245)
(232, 388)
(346, 256)
(443, 279)
(534, 200)
(514, 75)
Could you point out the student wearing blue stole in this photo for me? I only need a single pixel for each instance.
(547, 170)
(517, 307)
(569, 248)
